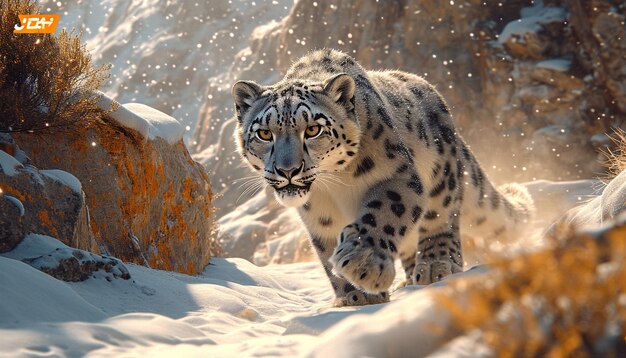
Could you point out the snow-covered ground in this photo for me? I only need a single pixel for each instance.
(235, 308)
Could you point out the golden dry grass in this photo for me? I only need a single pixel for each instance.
(616, 158)
(567, 300)
(46, 81)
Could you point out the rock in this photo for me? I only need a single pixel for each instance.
(48, 202)
(599, 27)
(532, 36)
(545, 64)
(609, 205)
(51, 256)
(601, 141)
(149, 202)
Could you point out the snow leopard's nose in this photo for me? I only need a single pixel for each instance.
(288, 173)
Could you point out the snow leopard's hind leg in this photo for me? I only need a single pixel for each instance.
(439, 247)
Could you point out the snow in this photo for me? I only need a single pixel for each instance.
(600, 139)
(43, 252)
(554, 198)
(29, 296)
(9, 164)
(64, 178)
(401, 328)
(16, 202)
(235, 308)
(34, 245)
(232, 303)
(556, 64)
(533, 19)
(160, 124)
(149, 122)
(262, 231)
(597, 210)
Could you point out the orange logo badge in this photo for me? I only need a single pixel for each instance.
(37, 24)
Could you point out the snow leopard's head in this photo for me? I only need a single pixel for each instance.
(294, 132)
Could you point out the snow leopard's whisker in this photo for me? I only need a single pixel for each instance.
(238, 180)
(249, 182)
(322, 181)
(247, 189)
(253, 185)
(257, 190)
(334, 178)
(250, 192)
(327, 181)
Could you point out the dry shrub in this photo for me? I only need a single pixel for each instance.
(568, 300)
(616, 158)
(46, 81)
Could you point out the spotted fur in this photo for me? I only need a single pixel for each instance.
(387, 177)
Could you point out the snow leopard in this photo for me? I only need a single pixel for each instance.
(374, 166)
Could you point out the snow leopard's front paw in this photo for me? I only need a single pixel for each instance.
(427, 272)
(361, 262)
(358, 298)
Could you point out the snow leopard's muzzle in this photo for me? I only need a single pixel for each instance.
(291, 185)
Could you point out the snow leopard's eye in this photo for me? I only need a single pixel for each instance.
(264, 135)
(313, 131)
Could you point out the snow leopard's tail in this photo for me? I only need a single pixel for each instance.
(496, 216)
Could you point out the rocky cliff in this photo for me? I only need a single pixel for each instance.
(544, 81)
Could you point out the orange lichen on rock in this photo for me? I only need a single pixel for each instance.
(46, 206)
(187, 188)
(45, 219)
(79, 146)
(16, 193)
(8, 148)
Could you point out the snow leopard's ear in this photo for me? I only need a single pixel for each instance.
(341, 89)
(245, 94)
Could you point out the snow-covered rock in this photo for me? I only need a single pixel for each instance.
(525, 30)
(553, 198)
(148, 201)
(60, 261)
(598, 210)
(39, 201)
(8, 164)
(147, 121)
